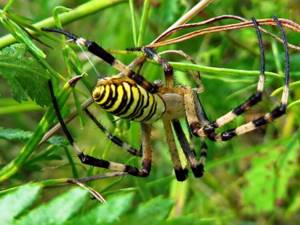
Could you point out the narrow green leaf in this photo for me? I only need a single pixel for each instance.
(17, 107)
(79, 12)
(133, 22)
(58, 211)
(21, 35)
(8, 5)
(144, 20)
(16, 201)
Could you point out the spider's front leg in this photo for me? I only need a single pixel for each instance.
(100, 52)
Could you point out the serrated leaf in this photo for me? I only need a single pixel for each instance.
(16, 201)
(14, 134)
(25, 76)
(107, 213)
(57, 211)
(21, 135)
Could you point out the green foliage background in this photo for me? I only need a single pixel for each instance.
(253, 179)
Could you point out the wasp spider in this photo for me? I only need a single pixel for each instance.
(132, 97)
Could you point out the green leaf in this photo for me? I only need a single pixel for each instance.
(154, 211)
(21, 35)
(267, 181)
(16, 201)
(14, 134)
(25, 76)
(58, 211)
(107, 213)
(190, 220)
(21, 135)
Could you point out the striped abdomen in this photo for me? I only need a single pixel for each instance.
(124, 98)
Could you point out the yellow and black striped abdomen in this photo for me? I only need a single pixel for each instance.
(124, 98)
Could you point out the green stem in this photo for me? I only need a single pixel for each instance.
(133, 22)
(20, 108)
(67, 17)
(72, 163)
(220, 71)
(144, 20)
(292, 86)
(12, 167)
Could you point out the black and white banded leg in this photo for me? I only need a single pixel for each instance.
(97, 50)
(209, 129)
(90, 160)
(197, 167)
(168, 69)
(114, 139)
(195, 74)
(266, 118)
(180, 172)
(196, 118)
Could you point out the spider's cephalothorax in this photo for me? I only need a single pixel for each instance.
(132, 97)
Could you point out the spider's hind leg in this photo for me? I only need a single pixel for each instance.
(266, 118)
(209, 129)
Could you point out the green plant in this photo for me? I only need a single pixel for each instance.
(264, 165)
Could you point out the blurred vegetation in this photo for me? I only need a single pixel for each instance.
(253, 179)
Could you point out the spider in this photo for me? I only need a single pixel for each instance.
(131, 96)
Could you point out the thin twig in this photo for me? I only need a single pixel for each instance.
(186, 17)
(93, 192)
(183, 19)
(246, 23)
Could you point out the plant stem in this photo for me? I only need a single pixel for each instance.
(144, 20)
(81, 11)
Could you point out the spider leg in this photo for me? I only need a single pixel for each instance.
(180, 172)
(195, 74)
(168, 69)
(196, 118)
(268, 117)
(97, 50)
(209, 129)
(197, 168)
(90, 160)
(113, 138)
(116, 140)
